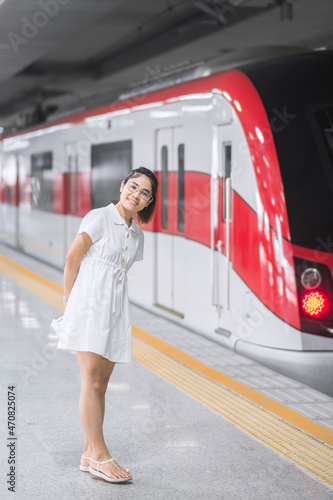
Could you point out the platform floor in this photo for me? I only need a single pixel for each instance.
(191, 419)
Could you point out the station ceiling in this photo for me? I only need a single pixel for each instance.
(63, 56)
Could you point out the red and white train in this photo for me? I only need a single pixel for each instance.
(241, 248)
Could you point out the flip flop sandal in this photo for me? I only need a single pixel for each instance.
(84, 468)
(98, 473)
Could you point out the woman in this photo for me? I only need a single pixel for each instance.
(96, 324)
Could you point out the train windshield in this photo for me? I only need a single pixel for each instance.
(298, 97)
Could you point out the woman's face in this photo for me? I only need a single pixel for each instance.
(135, 195)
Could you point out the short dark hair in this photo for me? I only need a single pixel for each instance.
(146, 214)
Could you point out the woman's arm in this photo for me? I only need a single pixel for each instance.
(73, 260)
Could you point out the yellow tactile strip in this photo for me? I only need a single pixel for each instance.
(40, 286)
(292, 417)
(302, 449)
(285, 431)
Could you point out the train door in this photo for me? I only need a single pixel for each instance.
(222, 224)
(11, 217)
(17, 196)
(170, 293)
(72, 164)
(72, 193)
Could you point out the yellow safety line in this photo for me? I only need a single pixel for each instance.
(287, 432)
(32, 274)
(43, 288)
(288, 441)
(305, 424)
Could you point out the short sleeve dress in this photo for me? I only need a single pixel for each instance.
(97, 316)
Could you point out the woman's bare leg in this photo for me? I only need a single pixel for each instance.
(95, 374)
(108, 369)
(109, 366)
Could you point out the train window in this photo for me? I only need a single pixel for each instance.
(42, 181)
(181, 188)
(325, 121)
(110, 163)
(164, 187)
(307, 176)
(226, 148)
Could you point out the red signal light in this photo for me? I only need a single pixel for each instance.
(315, 304)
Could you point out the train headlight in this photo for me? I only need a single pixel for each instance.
(315, 296)
(311, 278)
(315, 304)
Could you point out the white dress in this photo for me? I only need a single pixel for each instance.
(97, 315)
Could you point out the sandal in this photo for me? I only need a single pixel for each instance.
(84, 468)
(98, 473)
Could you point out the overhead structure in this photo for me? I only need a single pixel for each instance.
(59, 56)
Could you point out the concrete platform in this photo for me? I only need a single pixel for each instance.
(174, 446)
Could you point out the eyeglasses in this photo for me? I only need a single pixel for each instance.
(144, 193)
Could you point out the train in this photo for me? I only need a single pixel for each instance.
(241, 245)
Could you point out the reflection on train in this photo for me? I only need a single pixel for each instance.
(241, 247)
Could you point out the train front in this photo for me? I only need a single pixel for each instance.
(297, 94)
